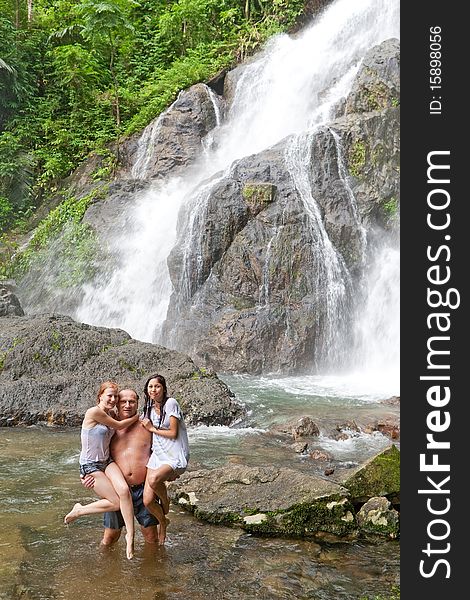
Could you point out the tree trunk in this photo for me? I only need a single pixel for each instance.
(116, 97)
(30, 11)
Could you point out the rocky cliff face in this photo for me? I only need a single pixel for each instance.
(251, 296)
(9, 303)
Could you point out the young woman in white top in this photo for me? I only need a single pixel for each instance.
(98, 427)
(170, 449)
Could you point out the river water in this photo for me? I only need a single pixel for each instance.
(40, 558)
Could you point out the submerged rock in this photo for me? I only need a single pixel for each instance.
(51, 368)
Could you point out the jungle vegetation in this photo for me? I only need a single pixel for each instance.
(76, 75)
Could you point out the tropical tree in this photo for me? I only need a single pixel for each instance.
(106, 25)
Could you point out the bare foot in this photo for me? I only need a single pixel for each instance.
(129, 546)
(162, 530)
(73, 514)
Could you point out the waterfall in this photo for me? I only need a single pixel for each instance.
(289, 89)
(133, 289)
(332, 277)
(377, 350)
(145, 146)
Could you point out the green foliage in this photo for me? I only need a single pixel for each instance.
(391, 207)
(6, 212)
(78, 241)
(77, 68)
(198, 64)
(83, 72)
(16, 179)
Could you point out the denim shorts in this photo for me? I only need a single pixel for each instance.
(114, 520)
(91, 467)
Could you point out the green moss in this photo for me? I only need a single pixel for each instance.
(379, 477)
(258, 196)
(55, 344)
(392, 594)
(334, 516)
(131, 368)
(43, 360)
(3, 355)
(242, 303)
(377, 96)
(391, 209)
(201, 373)
(107, 166)
(357, 158)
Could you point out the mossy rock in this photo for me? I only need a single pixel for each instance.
(380, 476)
(258, 196)
(268, 501)
(377, 517)
(333, 516)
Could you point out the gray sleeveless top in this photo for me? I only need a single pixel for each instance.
(95, 444)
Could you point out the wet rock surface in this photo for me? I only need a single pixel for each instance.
(287, 502)
(51, 368)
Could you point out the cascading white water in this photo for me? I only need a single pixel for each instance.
(377, 332)
(134, 293)
(332, 277)
(145, 147)
(289, 89)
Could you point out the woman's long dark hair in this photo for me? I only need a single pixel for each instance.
(148, 402)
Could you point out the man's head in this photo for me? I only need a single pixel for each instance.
(127, 404)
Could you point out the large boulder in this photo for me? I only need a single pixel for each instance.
(51, 368)
(291, 502)
(267, 500)
(378, 476)
(377, 85)
(174, 139)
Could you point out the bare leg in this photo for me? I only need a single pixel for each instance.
(110, 536)
(161, 492)
(150, 534)
(125, 504)
(156, 478)
(157, 511)
(109, 500)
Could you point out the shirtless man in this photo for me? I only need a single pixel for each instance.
(130, 449)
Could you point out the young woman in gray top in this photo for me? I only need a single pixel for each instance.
(98, 427)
